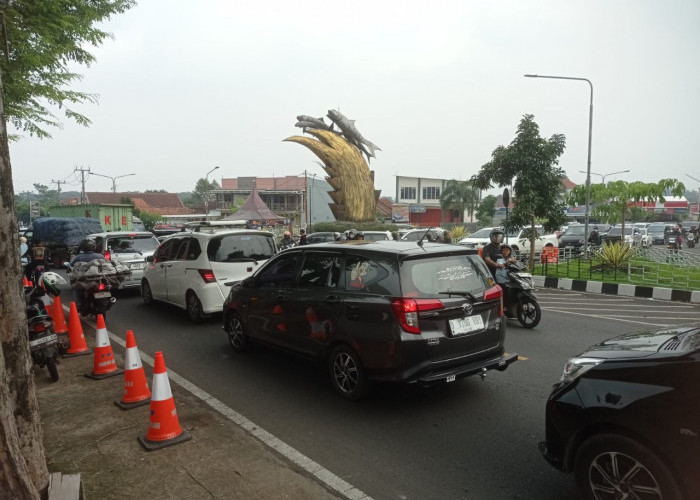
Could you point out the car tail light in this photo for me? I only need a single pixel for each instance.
(406, 311)
(207, 275)
(495, 292)
(101, 286)
(39, 328)
(108, 255)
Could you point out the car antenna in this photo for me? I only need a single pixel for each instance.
(420, 241)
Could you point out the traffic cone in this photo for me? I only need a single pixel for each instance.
(25, 282)
(76, 339)
(105, 366)
(59, 321)
(49, 310)
(164, 429)
(136, 391)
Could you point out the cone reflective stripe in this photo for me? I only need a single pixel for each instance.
(78, 346)
(59, 317)
(104, 366)
(136, 391)
(164, 428)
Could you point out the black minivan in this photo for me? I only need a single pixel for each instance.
(385, 311)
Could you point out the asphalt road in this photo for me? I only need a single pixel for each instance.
(470, 439)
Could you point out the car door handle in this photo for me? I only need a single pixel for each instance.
(332, 299)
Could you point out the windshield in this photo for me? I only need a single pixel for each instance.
(376, 236)
(235, 247)
(656, 229)
(481, 233)
(428, 277)
(617, 231)
(132, 243)
(575, 231)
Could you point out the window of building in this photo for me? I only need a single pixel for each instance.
(431, 193)
(408, 193)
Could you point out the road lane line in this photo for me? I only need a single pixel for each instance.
(611, 317)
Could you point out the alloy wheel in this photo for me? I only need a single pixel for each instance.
(614, 475)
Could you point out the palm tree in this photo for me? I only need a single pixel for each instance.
(459, 195)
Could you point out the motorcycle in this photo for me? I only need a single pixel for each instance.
(673, 242)
(37, 297)
(93, 284)
(519, 299)
(43, 342)
(690, 240)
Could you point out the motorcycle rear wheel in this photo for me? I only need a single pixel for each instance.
(529, 313)
(53, 369)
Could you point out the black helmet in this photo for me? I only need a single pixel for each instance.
(496, 235)
(88, 245)
(352, 233)
(506, 246)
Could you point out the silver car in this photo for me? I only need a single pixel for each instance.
(129, 248)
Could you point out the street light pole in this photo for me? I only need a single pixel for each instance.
(696, 180)
(588, 163)
(603, 176)
(114, 179)
(206, 193)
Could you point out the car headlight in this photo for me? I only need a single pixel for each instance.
(575, 367)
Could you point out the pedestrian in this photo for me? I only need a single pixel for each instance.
(23, 251)
(302, 237)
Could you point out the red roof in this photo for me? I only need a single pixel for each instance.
(160, 203)
(567, 183)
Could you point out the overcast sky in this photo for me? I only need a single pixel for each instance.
(186, 86)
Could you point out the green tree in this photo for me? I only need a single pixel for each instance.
(486, 210)
(460, 196)
(612, 200)
(47, 40)
(529, 164)
(203, 191)
(149, 219)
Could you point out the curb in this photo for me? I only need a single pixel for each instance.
(621, 289)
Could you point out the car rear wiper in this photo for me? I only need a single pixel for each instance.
(463, 293)
(242, 259)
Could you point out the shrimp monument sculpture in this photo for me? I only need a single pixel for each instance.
(354, 197)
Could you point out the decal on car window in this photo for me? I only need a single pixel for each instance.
(454, 273)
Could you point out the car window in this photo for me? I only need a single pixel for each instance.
(363, 274)
(193, 249)
(280, 272)
(163, 252)
(320, 270)
(427, 277)
(481, 233)
(135, 243)
(575, 231)
(237, 247)
(182, 250)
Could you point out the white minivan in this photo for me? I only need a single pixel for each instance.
(195, 269)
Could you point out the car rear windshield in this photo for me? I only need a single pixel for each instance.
(432, 276)
(138, 243)
(237, 247)
(575, 231)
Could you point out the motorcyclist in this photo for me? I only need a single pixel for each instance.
(594, 237)
(88, 254)
(336, 236)
(302, 237)
(501, 274)
(287, 241)
(351, 234)
(491, 252)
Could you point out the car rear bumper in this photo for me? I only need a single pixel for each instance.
(448, 374)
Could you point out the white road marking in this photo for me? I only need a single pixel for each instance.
(611, 317)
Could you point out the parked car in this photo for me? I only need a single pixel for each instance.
(658, 232)
(378, 235)
(625, 417)
(435, 234)
(519, 240)
(375, 311)
(645, 239)
(632, 235)
(131, 249)
(321, 237)
(477, 239)
(574, 237)
(195, 269)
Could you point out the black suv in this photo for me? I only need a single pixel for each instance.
(389, 311)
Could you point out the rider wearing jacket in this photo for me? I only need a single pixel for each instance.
(88, 254)
(492, 252)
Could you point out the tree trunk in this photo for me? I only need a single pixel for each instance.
(532, 243)
(23, 471)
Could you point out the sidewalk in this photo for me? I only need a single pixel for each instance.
(86, 433)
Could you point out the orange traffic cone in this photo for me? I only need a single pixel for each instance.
(49, 308)
(136, 391)
(78, 347)
(105, 366)
(59, 317)
(25, 282)
(164, 429)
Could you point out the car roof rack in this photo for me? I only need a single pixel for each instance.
(215, 224)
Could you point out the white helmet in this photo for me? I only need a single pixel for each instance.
(51, 281)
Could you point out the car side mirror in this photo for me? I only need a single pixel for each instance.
(149, 259)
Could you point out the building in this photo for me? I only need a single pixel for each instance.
(160, 203)
(302, 200)
(418, 202)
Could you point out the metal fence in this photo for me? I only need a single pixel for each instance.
(653, 266)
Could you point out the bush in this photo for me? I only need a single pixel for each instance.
(615, 255)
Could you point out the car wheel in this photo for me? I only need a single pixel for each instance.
(612, 466)
(194, 308)
(236, 334)
(347, 373)
(529, 313)
(146, 293)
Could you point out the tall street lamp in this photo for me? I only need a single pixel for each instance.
(697, 180)
(206, 193)
(588, 165)
(603, 176)
(114, 179)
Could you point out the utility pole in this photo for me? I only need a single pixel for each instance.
(82, 181)
(58, 183)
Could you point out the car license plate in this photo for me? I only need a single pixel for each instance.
(138, 265)
(43, 340)
(467, 324)
(451, 378)
(102, 295)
